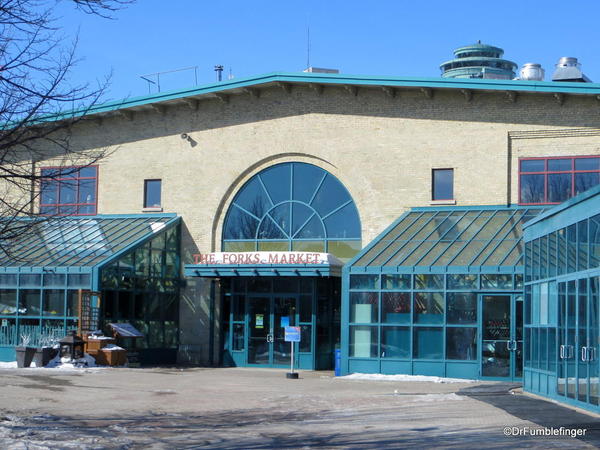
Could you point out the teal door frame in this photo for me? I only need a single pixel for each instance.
(577, 330)
(271, 328)
(501, 338)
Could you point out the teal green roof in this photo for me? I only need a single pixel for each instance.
(467, 237)
(340, 79)
(82, 241)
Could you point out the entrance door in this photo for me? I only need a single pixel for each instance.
(502, 336)
(267, 317)
(578, 340)
(259, 330)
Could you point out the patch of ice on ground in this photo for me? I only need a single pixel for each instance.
(403, 378)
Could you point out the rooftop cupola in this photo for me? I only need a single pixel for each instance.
(479, 61)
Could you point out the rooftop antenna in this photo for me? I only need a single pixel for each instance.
(308, 45)
(154, 78)
(219, 71)
(230, 76)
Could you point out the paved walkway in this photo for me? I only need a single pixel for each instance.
(261, 409)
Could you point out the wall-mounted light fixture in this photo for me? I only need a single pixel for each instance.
(188, 138)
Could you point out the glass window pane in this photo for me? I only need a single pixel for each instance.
(532, 189)
(363, 342)
(462, 308)
(585, 181)
(87, 191)
(87, 172)
(67, 191)
(344, 250)
(533, 165)
(49, 192)
(461, 343)
(467, 281)
(308, 246)
(559, 187)
(363, 307)
(395, 307)
(492, 281)
(72, 303)
(428, 343)
(343, 223)
(306, 308)
(29, 303)
(276, 179)
(587, 163)
(273, 246)
(429, 307)
(395, 342)
(306, 181)
(238, 337)
(423, 281)
(443, 184)
(395, 281)
(560, 165)
(8, 301)
(311, 229)
(364, 281)
(331, 195)
(239, 246)
(54, 302)
(305, 338)
(269, 229)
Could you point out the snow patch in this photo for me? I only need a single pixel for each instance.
(439, 397)
(403, 378)
(8, 365)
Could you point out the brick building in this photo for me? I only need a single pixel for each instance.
(320, 164)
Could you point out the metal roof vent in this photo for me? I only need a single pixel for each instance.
(569, 69)
(532, 72)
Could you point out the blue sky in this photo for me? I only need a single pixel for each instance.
(402, 38)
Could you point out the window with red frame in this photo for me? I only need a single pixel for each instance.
(554, 180)
(69, 191)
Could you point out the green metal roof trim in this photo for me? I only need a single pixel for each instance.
(82, 241)
(341, 79)
(469, 237)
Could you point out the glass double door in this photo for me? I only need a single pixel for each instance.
(502, 336)
(578, 340)
(267, 317)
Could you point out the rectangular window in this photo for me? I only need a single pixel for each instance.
(442, 184)
(68, 190)
(554, 180)
(152, 193)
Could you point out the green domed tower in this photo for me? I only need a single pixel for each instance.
(479, 61)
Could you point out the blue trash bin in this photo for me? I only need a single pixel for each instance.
(337, 354)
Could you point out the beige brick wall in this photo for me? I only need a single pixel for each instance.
(381, 148)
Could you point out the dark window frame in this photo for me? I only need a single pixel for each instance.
(146, 205)
(72, 175)
(572, 172)
(433, 193)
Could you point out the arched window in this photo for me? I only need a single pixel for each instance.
(293, 207)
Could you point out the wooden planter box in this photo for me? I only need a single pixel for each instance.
(110, 357)
(93, 345)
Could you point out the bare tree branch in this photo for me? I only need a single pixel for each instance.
(39, 106)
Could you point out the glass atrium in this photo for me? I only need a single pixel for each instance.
(440, 292)
(133, 261)
(562, 310)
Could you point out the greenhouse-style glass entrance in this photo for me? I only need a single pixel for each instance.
(502, 336)
(256, 311)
